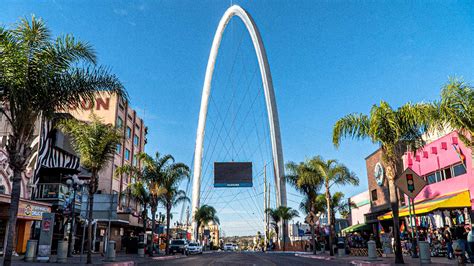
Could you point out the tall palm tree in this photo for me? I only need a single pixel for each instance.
(309, 187)
(332, 173)
(151, 173)
(456, 110)
(275, 216)
(174, 173)
(393, 130)
(203, 216)
(95, 142)
(38, 76)
(286, 214)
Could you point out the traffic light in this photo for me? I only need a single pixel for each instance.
(410, 183)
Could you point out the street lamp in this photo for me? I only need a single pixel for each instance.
(73, 182)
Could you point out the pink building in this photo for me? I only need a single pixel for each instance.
(361, 206)
(446, 165)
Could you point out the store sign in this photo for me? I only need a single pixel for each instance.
(410, 183)
(31, 211)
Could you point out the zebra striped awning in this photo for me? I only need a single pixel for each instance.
(56, 158)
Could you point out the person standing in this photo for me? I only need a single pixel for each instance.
(449, 243)
(470, 244)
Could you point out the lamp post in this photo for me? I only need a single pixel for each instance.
(73, 182)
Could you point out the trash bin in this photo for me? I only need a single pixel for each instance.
(341, 247)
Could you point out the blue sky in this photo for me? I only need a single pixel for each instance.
(328, 59)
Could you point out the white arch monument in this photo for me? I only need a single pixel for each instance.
(277, 153)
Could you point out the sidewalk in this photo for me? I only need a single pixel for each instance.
(381, 261)
(120, 260)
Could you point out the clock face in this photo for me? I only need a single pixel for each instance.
(378, 173)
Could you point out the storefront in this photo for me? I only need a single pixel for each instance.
(29, 218)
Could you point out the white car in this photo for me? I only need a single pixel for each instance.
(229, 247)
(194, 248)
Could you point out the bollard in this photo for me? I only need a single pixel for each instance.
(425, 254)
(141, 249)
(62, 251)
(372, 250)
(111, 251)
(31, 246)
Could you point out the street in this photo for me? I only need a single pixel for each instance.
(244, 258)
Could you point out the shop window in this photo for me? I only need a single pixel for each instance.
(129, 132)
(431, 178)
(127, 154)
(118, 149)
(459, 170)
(135, 140)
(374, 195)
(119, 122)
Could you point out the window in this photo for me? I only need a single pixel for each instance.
(431, 178)
(127, 154)
(447, 173)
(374, 195)
(119, 122)
(459, 169)
(135, 140)
(2, 189)
(439, 176)
(135, 161)
(123, 200)
(130, 117)
(118, 149)
(137, 127)
(129, 132)
(121, 106)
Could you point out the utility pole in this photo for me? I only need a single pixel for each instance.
(266, 214)
(265, 228)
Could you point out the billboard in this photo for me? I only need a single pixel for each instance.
(232, 174)
(105, 206)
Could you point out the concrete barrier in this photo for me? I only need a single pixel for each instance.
(31, 247)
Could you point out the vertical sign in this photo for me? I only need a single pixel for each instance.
(46, 237)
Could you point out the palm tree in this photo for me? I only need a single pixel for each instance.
(95, 142)
(275, 216)
(393, 130)
(173, 174)
(286, 213)
(39, 76)
(331, 173)
(456, 110)
(309, 187)
(139, 191)
(151, 174)
(203, 216)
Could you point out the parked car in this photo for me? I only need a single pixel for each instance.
(229, 247)
(194, 248)
(236, 247)
(178, 246)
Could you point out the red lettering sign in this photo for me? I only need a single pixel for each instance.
(101, 103)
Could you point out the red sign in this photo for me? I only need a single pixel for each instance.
(46, 224)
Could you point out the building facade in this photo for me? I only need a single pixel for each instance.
(359, 206)
(116, 111)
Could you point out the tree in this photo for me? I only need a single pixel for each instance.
(286, 214)
(308, 186)
(204, 215)
(173, 174)
(39, 76)
(151, 173)
(95, 142)
(331, 173)
(393, 130)
(275, 216)
(139, 191)
(456, 110)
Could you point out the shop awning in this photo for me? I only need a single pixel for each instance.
(453, 200)
(356, 228)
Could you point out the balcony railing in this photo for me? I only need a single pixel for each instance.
(57, 192)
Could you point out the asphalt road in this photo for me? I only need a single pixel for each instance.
(244, 258)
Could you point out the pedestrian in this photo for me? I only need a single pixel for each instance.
(470, 244)
(449, 244)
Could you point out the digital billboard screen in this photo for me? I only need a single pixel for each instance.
(232, 174)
